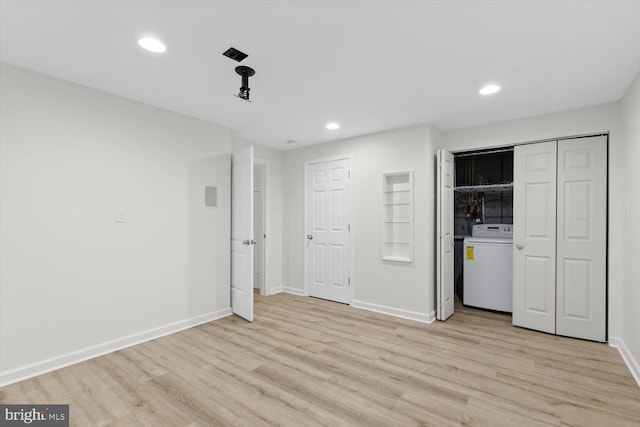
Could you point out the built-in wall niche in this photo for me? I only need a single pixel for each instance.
(397, 216)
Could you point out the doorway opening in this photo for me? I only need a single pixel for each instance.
(483, 210)
(475, 230)
(259, 225)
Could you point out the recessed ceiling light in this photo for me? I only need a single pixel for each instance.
(152, 45)
(333, 126)
(490, 89)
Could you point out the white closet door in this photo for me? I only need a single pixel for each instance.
(582, 235)
(445, 283)
(534, 236)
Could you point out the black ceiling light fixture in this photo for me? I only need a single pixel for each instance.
(245, 72)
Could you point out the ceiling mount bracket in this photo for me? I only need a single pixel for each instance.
(235, 54)
(245, 72)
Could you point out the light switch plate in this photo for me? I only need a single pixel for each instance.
(121, 215)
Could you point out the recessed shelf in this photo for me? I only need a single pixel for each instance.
(396, 259)
(484, 188)
(397, 216)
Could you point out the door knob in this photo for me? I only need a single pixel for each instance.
(519, 247)
(246, 242)
(253, 242)
(310, 236)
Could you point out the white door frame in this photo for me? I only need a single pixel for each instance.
(307, 163)
(265, 163)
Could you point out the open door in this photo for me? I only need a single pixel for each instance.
(444, 236)
(242, 233)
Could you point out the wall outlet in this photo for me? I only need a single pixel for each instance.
(121, 215)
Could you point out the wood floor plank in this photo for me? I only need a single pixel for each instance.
(310, 362)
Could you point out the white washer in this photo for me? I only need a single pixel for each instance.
(488, 267)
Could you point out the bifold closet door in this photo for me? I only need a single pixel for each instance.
(445, 291)
(581, 290)
(534, 236)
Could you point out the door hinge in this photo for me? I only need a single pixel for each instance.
(349, 174)
(349, 280)
(348, 227)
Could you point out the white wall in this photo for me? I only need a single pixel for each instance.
(73, 282)
(629, 343)
(273, 159)
(600, 118)
(400, 289)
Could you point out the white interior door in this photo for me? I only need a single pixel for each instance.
(534, 236)
(582, 233)
(242, 233)
(444, 233)
(259, 227)
(328, 211)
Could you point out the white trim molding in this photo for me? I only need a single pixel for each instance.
(632, 363)
(396, 312)
(286, 290)
(77, 356)
(294, 291)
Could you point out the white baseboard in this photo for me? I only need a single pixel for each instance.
(39, 368)
(404, 314)
(286, 289)
(632, 363)
(294, 291)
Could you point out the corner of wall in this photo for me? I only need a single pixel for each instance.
(627, 231)
(629, 360)
(293, 291)
(395, 312)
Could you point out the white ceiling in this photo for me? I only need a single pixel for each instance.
(369, 65)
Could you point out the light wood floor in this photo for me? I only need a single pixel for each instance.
(306, 362)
